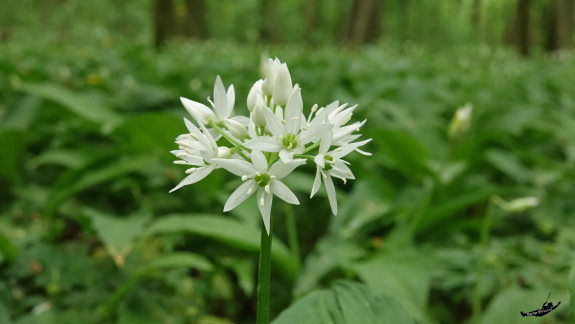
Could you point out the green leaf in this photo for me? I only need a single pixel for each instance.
(175, 260)
(509, 164)
(228, 231)
(402, 151)
(82, 105)
(118, 234)
(12, 144)
(7, 249)
(404, 275)
(507, 306)
(572, 290)
(345, 302)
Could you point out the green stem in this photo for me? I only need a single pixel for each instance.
(264, 276)
(311, 147)
(231, 140)
(480, 266)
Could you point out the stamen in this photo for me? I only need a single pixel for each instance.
(267, 188)
(244, 177)
(180, 162)
(295, 118)
(349, 174)
(319, 111)
(190, 170)
(283, 122)
(314, 108)
(303, 128)
(258, 173)
(344, 181)
(339, 149)
(272, 177)
(181, 154)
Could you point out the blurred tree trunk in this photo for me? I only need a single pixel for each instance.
(311, 16)
(184, 19)
(559, 25)
(365, 22)
(520, 31)
(267, 20)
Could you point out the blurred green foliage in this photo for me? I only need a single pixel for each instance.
(89, 233)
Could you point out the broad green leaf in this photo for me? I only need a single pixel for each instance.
(7, 248)
(403, 275)
(228, 231)
(82, 105)
(345, 303)
(12, 144)
(4, 317)
(175, 260)
(96, 172)
(508, 164)
(118, 234)
(329, 254)
(572, 290)
(402, 151)
(507, 306)
(66, 158)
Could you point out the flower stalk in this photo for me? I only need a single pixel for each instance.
(264, 276)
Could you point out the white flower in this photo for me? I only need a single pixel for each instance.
(282, 88)
(460, 122)
(258, 177)
(271, 70)
(223, 105)
(288, 137)
(195, 149)
(329, 164)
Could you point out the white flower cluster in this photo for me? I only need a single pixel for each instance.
(271, 143)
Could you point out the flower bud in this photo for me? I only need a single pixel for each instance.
(272, 68)
(255, 91)
(282, 86)
(517, 205)
(460, 122)
(238, 130)
(258, 114)
(224, 152)
(201, 113)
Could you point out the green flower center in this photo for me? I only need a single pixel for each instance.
(328, 166)
(290, 141)
(262, 180)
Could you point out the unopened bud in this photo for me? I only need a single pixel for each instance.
(272, 68)
(282, 86)
(236, 128)
(201, 113)
(516, 205)
(258, 114)
(460, 122)
(255, 91)
(224, 152)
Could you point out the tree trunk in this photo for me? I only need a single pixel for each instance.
(559, 25)
(365, 23)
(520, 33)
(163, 18)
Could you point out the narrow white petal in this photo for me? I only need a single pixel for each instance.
(231, 96)
(293, 111)
(325, 143)
(316, 183)
(281, 169)
(235, 166)
(264, 143)
(329, 187)
(347, 148)
(240, 194)
(259, 161)
(201, 113)
(265, 208)
(196, 176)
(314, 133)
(283, 192)
(220, 99)
(286, 155)
(320, 160)
(273, 123)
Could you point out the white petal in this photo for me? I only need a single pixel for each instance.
(320, 160)
(264, 143)
(316, 183)
(231, 96)
(240, 194)
(274, 123)
(266, 208)
(201, 113)
(220, 99)
(346, 149)
(314, 133)
(259, 161)
(325, 142)
(329, 187)
(281, 190)
(293, 111)
(286, 155)
(281, 169)
(196, 176)
(237, 167)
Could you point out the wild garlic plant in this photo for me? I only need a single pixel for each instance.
(268, 146)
